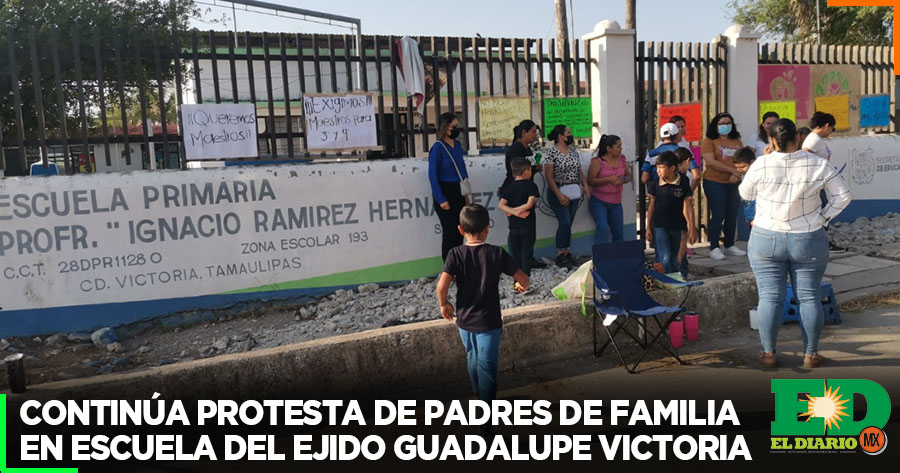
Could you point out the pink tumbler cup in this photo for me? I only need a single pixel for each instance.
(676, 332)
(691, 324)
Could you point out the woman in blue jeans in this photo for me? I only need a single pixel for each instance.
(789, 236)
(607, 176)
(566, 185)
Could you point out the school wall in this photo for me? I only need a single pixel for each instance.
(121, 247)
(870, 165)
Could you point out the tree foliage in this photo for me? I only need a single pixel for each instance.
(85, 34)
(795, 21)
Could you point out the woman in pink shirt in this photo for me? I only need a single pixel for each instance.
(607, 177)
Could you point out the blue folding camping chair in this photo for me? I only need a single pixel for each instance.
(619, 296)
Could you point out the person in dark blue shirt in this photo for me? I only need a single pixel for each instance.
(743, 159)
(446, 169)
(670, 137)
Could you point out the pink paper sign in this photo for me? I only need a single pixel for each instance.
(779, 83)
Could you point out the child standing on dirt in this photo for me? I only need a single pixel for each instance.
(518, 201)
(477, 266)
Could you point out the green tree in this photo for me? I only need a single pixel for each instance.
(131, 26)
(795, 21)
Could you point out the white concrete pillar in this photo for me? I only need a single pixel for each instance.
(742, 63)
(612, 83)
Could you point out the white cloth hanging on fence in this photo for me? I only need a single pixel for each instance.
(412, 69)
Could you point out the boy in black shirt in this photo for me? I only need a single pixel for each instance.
(517, 203)
(477, 266)
(670, 211)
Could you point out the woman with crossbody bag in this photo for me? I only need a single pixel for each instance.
(567, 185)
(449, 180)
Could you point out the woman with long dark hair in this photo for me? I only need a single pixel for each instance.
(524, 135)
(789, 237)
(607, 177)
(446, 170)
(759, 141)
(566, 183)
(720, 183)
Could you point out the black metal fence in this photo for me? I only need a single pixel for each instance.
(66, 95)
(669, 73)
(877, 63)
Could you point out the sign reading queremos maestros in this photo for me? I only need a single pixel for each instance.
(219, 130)
(91, 239)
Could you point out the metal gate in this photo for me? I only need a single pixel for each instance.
(669, 73)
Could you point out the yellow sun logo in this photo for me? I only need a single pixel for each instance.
(830, 406)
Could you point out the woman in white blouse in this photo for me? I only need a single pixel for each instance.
(789, 236)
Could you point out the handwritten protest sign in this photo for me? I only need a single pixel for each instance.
(497, 116)
(784, 109)
(573, 112)
(837, 105)
(340, 122)
(218, 130)
(875, 110)
(693, 118)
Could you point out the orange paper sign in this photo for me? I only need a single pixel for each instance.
(693, 118)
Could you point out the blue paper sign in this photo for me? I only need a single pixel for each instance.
(875, 110)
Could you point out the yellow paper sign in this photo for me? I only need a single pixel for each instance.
(784, 109)
(497, 116)
(837, 105)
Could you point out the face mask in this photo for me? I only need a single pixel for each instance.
(724, 129)
(454, 133)
(570, 140)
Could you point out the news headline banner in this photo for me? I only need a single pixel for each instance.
(94, 239)
(340, 122)
(219, 131)
(165, 418)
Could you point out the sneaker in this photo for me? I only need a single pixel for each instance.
(716, 253)
(735, 251)
(813, 360)
(767, 359)
(538, 264)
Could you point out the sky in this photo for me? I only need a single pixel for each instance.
(657, 20)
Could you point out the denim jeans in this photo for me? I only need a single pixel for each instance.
(609, 221)
(482, 351)
(668, 242)
(724, 203)
(566, 216)
(521, 247)
(803, 256)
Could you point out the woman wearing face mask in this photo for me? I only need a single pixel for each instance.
(446, 169)
(720, 183)
(562, 168)
(760, 140)
(789, 237)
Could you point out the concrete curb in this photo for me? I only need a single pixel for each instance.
(388, 360)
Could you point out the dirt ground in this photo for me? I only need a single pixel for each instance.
(160, 346)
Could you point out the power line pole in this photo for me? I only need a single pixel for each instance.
(562, 43)
(630, 17)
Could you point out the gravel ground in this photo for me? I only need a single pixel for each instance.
(878, 237)
(265, 325)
